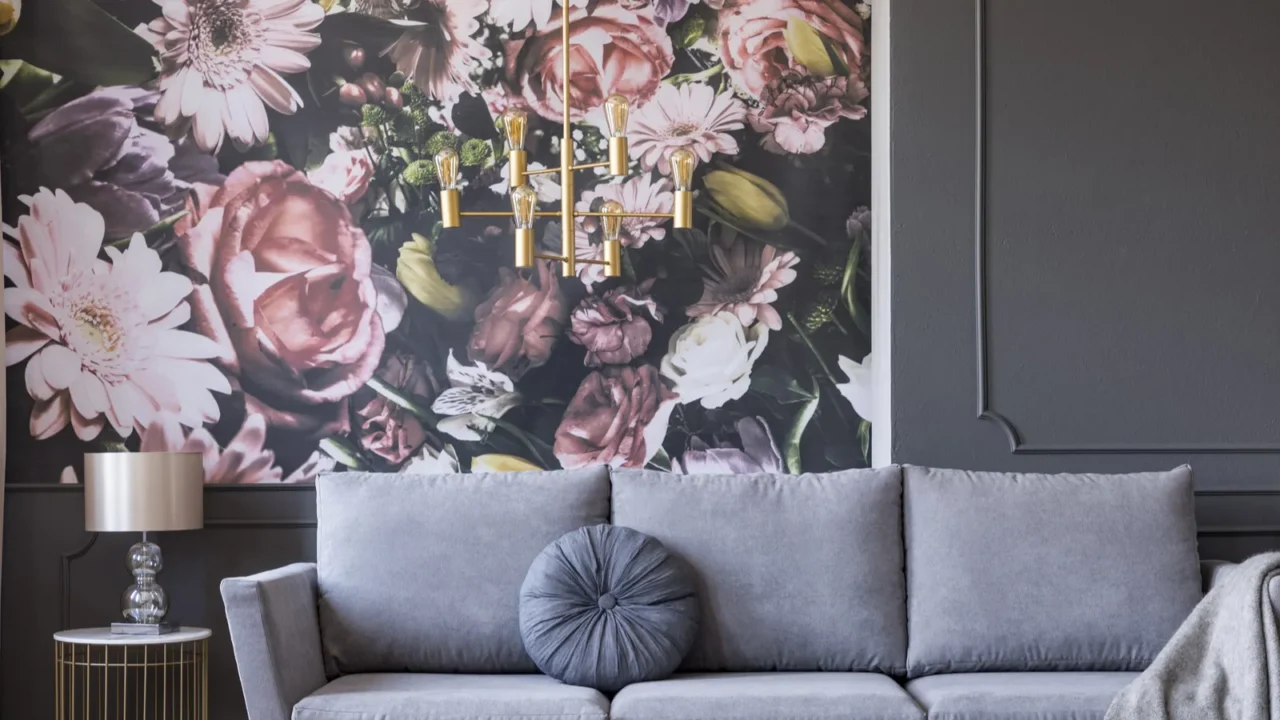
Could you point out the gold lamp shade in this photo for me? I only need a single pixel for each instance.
(143, 491)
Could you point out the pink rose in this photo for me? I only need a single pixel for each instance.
(618, 417)
(517, 326)
(753, 43)
(285, 288)
(612, 327)
(345, 175)
(612, 50)
(796, 110)
(389, 430)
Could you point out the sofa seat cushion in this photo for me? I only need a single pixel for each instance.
(1019, 695)
(767, 696)
(414, 696)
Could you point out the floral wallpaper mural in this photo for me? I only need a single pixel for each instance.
(222, 235)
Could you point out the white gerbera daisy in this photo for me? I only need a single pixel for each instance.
(222, 62)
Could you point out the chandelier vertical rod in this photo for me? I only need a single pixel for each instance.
(568, 248)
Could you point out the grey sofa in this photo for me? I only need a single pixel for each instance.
(889, 594)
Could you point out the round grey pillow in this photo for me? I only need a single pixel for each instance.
(607, 606)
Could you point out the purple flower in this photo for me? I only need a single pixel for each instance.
(612, 327)
(758, 454)
(96, 150)
(669, 11)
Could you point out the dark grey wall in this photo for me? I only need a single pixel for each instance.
(1085, 247)
(54, 578)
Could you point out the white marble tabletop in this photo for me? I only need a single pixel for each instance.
(104, 636)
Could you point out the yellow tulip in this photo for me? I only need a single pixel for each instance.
(747, 201)
(808, 47)
(494, 462)
(10, 11)
(416, 270)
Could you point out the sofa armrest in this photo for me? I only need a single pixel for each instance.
(1215, 572)
(275, 633)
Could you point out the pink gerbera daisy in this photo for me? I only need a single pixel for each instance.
(743, 279)
(440, 54)
(691, 116)
(100, 338)
(222, 62)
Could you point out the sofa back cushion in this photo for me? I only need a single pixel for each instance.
(423, 573)
(797, 572)
(1046, 572)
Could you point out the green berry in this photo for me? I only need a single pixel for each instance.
(413, 95)
(372, 115)
(439, 141)
(419, 173)
(475, 152)
(819, 311)
(828, 274)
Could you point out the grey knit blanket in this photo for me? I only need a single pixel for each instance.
(1223, 663)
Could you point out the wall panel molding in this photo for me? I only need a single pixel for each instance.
(1018, 445)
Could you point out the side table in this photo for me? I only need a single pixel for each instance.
(104, 676)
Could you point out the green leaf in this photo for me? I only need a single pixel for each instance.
(341, 449)
(688, 31)
(808, 47)
(849, 285)
(778, 384)
(397, 397)
(791, 447)
(660, 461)
(81, 41)
(864, 439)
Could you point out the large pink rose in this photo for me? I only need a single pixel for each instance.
(753, 43)
(618, 417)
(285, 288)
(518, 325)
(612, 50)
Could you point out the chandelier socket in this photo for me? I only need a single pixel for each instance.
(619, 157)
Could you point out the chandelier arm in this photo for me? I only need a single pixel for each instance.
(543, 171)
(625, 215)
(508, 213)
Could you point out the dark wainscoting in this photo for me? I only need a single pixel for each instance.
(58, 576)
(1083, 261)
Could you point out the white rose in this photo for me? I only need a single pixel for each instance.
(711, 358)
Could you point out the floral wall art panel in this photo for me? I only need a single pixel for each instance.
(222, 234)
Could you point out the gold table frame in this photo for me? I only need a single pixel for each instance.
(103, 676)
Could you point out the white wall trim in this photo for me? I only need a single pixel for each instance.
(881, 281)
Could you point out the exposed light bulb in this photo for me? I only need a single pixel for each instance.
(683, 162)
(616, 111)
(611, 223)
(524, 205)
(447, 165)
(516, 123)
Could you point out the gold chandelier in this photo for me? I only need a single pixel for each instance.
(524, 199)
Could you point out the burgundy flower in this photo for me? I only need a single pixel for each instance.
(389, 430)
(618, 417)
(517, 326)
(797, 108)
(612, 327)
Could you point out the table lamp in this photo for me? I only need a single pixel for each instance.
(143, 492)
